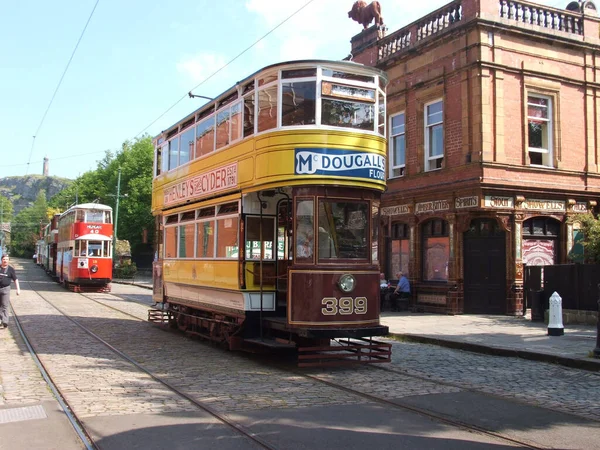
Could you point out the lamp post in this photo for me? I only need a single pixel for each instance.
(117, 214)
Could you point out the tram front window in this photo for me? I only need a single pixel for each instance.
(348, 114)
(94, 248)
(343, 230)
(94, 216)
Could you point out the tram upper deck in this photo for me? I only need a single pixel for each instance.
(295, 123)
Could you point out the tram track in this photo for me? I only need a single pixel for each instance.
(241, 429)
(78, 425)
(80, 430)
(389, 403)
(429, 414)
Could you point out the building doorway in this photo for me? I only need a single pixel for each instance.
(484, 268)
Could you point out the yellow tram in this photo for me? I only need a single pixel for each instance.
(267, 206)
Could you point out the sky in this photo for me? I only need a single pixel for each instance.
(137, 60)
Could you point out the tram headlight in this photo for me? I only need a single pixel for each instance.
(347, 282)
(94, 268)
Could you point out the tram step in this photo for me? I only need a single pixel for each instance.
(346, 352)
(159, 316)
(272, 343)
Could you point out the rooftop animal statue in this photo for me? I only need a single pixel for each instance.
(364, 14)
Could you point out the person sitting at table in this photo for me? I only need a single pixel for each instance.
(400, 297)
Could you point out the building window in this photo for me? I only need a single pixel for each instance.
(397, 145)
(541, 237)
(434, 135)
(436, 250)
(539, 128)
(399, 250)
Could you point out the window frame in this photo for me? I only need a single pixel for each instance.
(392, 147)
(249, 100)
(263, 248)
(427, 128)
(547, 153)
(440, 229)
(400, 237)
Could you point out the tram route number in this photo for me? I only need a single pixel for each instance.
(344, 306)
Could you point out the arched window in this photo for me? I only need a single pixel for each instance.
(540, 241)
(484, 227)
(436, 250)
(399, 250)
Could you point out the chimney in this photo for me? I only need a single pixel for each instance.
(364, 45)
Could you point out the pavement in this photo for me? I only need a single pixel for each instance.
(30, 417)
(498, 335)
(489, 334)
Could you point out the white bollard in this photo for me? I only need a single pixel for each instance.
(555, 323)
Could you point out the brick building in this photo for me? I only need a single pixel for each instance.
(493, 130)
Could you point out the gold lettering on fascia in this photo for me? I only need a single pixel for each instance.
(580, 207)
(543, 205)
(493, 201)
(466, 202)
(436, 205)
(395, 210)
(216, 180)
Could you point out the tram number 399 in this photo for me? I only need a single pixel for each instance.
(344, 306)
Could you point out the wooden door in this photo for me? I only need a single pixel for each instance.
(485, 268)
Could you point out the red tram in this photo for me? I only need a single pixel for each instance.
(47, 251)
(84, 249)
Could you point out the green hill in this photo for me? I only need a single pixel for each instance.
(22, 191)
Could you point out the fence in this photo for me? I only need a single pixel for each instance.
(140, 275)
(577, 284)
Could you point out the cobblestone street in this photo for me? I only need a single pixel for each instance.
(98, 384)
(536, 383)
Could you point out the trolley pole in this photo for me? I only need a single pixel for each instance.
(117, 215)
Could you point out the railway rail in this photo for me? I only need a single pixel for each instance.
(77, 423)
(121, 309)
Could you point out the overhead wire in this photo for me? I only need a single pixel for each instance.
(172, 106)
(64, 157)
(225, 65)
(59, 84)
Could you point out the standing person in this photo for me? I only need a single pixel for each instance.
(7, 274)
(401, 293)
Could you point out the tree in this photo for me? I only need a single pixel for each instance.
(591, 240)
(6, 212)
(6, 209)
(26, 226)
(135, 162)
(89, 187)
